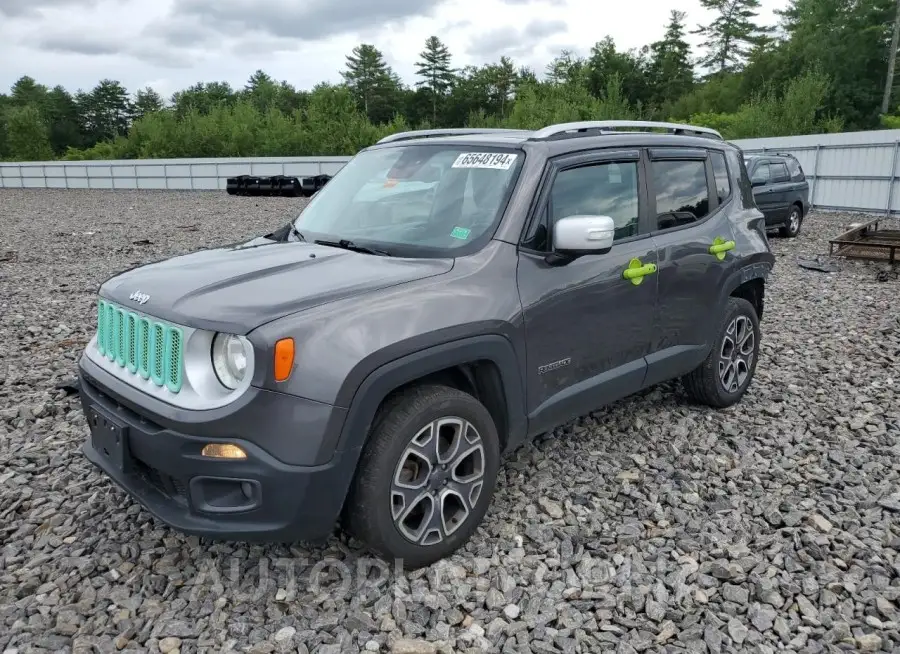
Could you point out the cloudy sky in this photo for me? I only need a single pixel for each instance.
(170, 44)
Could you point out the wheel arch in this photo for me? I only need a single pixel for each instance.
(485, 366)
(749, 283)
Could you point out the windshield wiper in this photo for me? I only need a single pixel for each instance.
(350, 245)
(296, 232)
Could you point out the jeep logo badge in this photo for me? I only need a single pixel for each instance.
(140, 298)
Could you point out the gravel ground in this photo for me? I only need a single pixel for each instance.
(652, 525)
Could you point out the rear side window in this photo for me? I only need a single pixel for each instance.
(796, 170)
(779, 172)
(720, 170)
(682, 192)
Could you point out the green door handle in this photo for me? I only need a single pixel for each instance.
(636, 271)
(720, 246)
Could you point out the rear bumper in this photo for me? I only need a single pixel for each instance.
(157, 460)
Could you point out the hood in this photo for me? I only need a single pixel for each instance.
(236, 289)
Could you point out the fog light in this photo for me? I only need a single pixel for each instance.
(223, 451)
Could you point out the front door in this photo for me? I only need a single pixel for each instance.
(691, 191)
(587, 327)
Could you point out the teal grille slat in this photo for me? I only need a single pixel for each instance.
(172, 359)
(143, 348)
(149, 348)
(101, 332)
(110, 332)
(157, 353)
(131, 342)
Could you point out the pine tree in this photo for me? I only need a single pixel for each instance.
(732, 35)
(146, 101)
(671, 73)
(372, 82)
(435, 70)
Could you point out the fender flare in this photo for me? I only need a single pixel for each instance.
(379, 383)
(744, 274)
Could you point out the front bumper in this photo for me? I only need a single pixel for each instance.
(154, 455)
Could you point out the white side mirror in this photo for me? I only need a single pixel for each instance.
(583, 234)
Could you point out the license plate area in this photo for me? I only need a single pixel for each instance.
(109, 438)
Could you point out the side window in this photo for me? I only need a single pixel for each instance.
(720, 170)
(779, 172)
(602, 189)
(761, 174)
(682, 194)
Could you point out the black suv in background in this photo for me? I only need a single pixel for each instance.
(780, 189)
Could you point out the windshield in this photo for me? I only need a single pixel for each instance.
(413, 200)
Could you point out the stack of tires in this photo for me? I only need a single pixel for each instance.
(279, 185)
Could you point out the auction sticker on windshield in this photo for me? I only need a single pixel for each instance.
(493, 160)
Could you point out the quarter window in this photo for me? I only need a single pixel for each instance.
(682, 192)
(720, 170)
(795, 170)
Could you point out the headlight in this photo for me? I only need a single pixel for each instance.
(229, 359)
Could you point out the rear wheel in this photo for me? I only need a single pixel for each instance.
(723, 378)
(795, 219)
(426, 476)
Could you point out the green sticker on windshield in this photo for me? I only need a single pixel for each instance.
(461, 233)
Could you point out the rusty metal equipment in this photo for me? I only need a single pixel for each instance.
(866, 241)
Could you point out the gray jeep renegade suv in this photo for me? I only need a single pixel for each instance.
(447, 295)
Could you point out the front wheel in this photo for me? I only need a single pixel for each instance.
(795, 219)
(426, 475)
(723, 378)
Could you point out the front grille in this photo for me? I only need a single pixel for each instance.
(143, 346)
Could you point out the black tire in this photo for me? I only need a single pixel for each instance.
(705, 384)
(374, 498)
(795, 221)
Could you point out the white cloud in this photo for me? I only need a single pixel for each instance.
(176, 43)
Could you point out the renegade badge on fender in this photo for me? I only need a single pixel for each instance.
(447, 295)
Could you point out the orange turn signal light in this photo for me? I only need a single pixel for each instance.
(284, 359)
(223, 451)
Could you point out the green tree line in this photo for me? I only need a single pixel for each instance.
(821, 68)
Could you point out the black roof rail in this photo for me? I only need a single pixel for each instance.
(450, 131)
(591, 127)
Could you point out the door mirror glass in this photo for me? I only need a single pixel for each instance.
(583, 234)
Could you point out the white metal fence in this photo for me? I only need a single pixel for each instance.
(854, 171)
(172, 174)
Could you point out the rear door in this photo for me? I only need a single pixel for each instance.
(763, 191)
(782, 187)
(690, 192)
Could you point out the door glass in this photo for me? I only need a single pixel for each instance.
(682, 194)
(779, 172)
(602, 189)
(761, 174)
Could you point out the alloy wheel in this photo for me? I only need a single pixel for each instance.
(438, 480)
(736, 354)
(794, 221)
